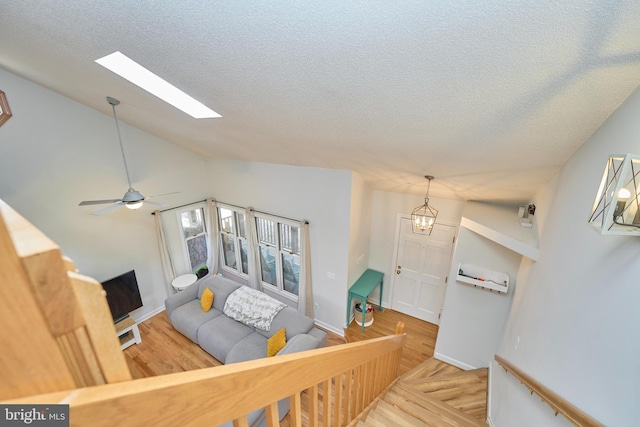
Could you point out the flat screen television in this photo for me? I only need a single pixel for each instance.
(123, 295)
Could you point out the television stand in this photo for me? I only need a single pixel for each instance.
(128, 332)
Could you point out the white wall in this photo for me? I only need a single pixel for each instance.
(322, 196)
(385, 208)
(576, 309)
(55, 152)
(473, 318)
(359, 228)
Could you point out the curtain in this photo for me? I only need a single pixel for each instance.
(255, 276)
(305, 292)
(213, 244)
(168, 269)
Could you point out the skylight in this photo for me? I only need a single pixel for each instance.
(141, 77)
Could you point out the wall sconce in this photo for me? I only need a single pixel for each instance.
(616, 208)
(424, 217)
(5, 111)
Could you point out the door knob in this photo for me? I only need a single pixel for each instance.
(397, 271)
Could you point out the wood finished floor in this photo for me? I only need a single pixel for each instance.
(164, 350)
(432, 394)
(421, 336)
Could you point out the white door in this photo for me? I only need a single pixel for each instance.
(422, 264)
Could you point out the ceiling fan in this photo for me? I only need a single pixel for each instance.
(132, 199)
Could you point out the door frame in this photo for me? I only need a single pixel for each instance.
(394, 260)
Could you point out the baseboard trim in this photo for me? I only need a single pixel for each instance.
(329, 327)
(150, 315)
(490, 422)
(489, 385)
(452, 361)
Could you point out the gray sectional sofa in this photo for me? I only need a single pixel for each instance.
(230, 341)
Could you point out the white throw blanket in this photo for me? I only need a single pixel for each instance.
(252, 307)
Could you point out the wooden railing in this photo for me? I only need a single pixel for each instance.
(557, 403)
(338, 382)
(59, 346)
(56, 330)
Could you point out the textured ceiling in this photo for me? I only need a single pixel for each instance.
(490, 97)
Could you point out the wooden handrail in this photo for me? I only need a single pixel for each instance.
(557, 403)
(350, 374)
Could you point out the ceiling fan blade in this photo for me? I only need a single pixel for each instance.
(156, 203)
(98, 202)
(109, 208)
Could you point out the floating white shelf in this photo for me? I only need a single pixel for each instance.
(526, 248)
(483, 277)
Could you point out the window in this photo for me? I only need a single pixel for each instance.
(233, 234)
(194, 235)
(279, 248)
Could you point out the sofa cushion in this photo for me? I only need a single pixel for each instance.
(288, 318)
(302, 342)
(189, 317)
(219, 335)
(251, 347)
(220, 286)
(320, 335)
(180, 298)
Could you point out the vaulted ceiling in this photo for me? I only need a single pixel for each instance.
(490, 97)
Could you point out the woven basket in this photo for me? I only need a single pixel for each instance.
(368, 317)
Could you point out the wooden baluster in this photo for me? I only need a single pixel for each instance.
(241, 422)
(356, 407)
(375, 378)
(326, 403)
(272, 415)
(337, 399)
(366, 385)
(296, 410)
(348, 382)
(312, 395)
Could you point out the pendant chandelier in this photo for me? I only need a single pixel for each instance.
(424, 217)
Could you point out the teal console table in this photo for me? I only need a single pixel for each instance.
(361, 290)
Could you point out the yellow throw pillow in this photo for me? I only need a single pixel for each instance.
(206, 300)
(276, 342)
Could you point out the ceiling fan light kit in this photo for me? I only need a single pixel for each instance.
(132, 199)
